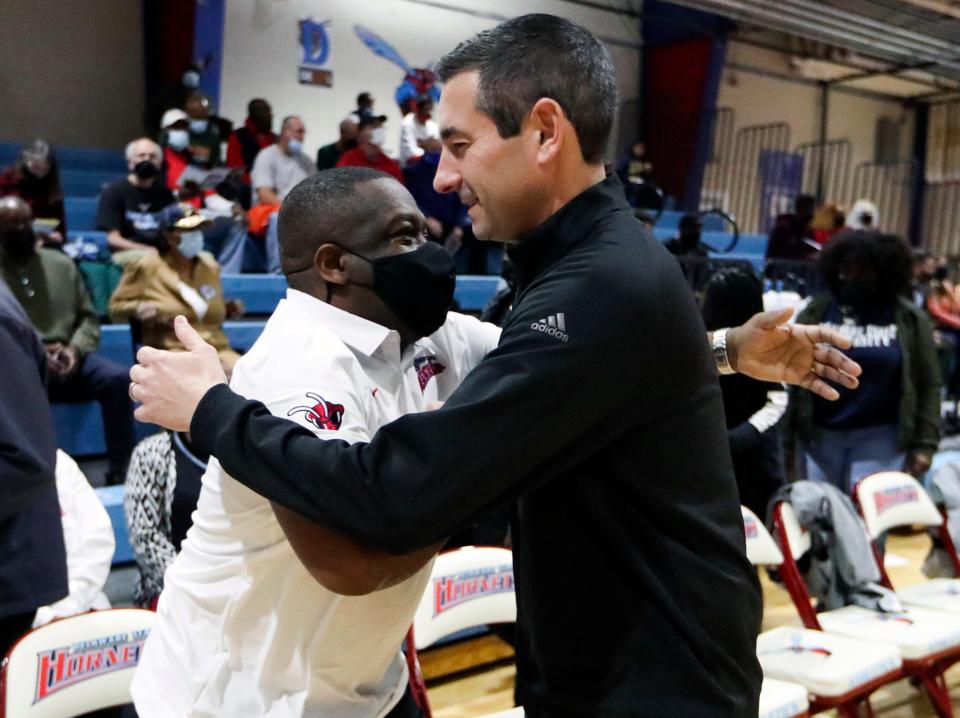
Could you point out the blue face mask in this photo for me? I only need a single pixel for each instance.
(190, 244)
(199, 126)
(295, 146)
(178, 139)
(191, 79)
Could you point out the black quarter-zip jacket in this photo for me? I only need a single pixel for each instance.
(600, 415)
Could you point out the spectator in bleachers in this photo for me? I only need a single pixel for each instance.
(364, 108)
(691, 253)
(753, 408)
(175, 139)
(51, 290)
(943, 307)
(278, 168)
(446, 215)
(892, 422)
(369, 151)
(828, 220)
(33, 565)
(89, 542)
(204, 146)
(419, 133)
(181, 279)
(635, 167)
(246, 142)
(792, 237)
(328, 155)
(163, 485)
(864, 215)
(924, 269)
(35, 177)
(128, 207)
(171, 96)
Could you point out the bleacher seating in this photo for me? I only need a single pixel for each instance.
(112, 499)
(86, 183)
(73, 158)
(670, 221)
(81, 213)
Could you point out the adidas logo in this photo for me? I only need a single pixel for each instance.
(554, 325)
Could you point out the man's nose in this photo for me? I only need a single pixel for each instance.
(448, 177)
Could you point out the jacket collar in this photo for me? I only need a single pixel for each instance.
(566, 228)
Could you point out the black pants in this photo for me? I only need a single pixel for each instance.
(102, 380)
(406, 708)
(12, 629)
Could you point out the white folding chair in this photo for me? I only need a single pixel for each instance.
(928, 641)
(781, 699)
(891, 499)
(469, 587)
(512, 713)
(839, 673)
(74, 665)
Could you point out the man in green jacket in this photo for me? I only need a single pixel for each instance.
(51, 291)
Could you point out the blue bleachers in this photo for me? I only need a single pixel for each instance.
(260, 293)
(670, 221)
(112, 499)
(81, 213)
(73, 158)
(86, 183)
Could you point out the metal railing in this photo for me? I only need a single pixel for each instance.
(890, 187)
(826, 169)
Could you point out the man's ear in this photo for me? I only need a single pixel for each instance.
(328, 261)
(549, 119)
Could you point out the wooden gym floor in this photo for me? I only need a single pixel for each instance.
(486, 691)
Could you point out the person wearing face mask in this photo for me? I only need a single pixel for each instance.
(892, 422)
(278, 168)
(129, 207)
(35, 177)
(51, 290)
(175, 127)
(419, 133)
(204, 132)
(369, 150)
(363, 337)
(181, 279)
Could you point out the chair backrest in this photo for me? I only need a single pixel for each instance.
(890, 499)
(798, 538)
(470, 586)
(75, 665)
(761, 548)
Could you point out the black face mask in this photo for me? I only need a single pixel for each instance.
(417, 286)
(145, 170)
(18, 242)
(350, 144)
(857, 293)
(940, 273)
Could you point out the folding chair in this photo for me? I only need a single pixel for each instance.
(75, 665)
(891, 499)
(780, 699)
(469, 587)
(928, 641)
(838, 672)
(512, 713)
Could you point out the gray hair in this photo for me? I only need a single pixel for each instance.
(131, 151)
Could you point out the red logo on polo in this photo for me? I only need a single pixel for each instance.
(427, 367)
(323, 414)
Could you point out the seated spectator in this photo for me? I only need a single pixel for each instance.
(688, 243)
(128, 207)
(446, 215)
(163, 485)
(175, 139)
(635, 167)
(35, 178)
(753, 408)
(827, 221)
(369, 151)
(328, 155)
(278, 168)
(246, 142)
(943, 307)
(88, 538)
(924, 269)
(33, 565)
(864, 215)
(892, 421)
(364, 108)
(51, 290)
(793, 237)
(171, 96)
(181, 279)
(419, 133)
(204, 146)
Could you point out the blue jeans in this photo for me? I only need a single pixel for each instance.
(842, 458)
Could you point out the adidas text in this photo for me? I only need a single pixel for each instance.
(554, 326)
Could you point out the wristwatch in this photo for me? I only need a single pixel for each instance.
(720, 356)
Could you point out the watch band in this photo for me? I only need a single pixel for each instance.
(720, 356)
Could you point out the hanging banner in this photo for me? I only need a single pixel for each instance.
(314, 68)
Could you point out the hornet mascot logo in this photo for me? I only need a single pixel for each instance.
(323, 414)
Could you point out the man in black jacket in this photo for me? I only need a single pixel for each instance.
(33, 563)
(598, 415)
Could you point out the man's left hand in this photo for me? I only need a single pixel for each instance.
(170, 385)
(769, 349)
(917, 464)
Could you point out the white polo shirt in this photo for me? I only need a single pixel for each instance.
(243, 629)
